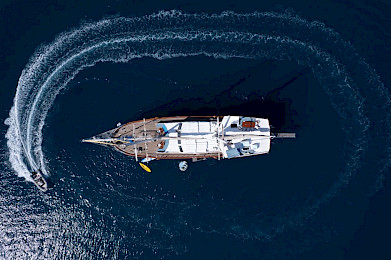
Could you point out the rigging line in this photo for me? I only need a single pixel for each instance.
(145, 138)
(150, 121)
(135, 147)
(218, 137)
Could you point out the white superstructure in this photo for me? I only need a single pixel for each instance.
(233, 136)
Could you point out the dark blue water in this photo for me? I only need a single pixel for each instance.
(70, 71)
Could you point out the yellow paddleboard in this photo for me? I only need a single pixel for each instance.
(146, 168)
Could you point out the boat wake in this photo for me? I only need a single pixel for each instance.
(355, 91)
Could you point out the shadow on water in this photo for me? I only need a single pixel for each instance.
(259, 189)
(232, 101)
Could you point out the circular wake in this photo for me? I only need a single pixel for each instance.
(355, 90)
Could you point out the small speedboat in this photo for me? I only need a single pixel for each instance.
(39, 180)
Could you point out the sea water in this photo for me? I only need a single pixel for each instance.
(302, 75)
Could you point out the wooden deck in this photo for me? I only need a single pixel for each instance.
(142, 130)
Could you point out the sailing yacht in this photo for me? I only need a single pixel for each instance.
(191, 137)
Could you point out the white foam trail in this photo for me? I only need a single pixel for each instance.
(39, 83)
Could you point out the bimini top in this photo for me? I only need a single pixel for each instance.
(191, 137)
